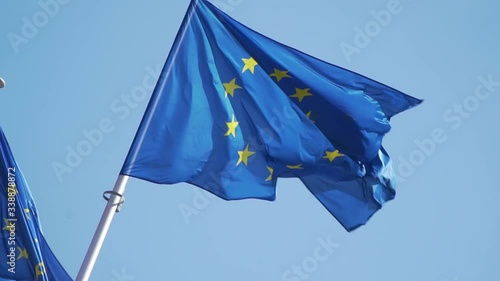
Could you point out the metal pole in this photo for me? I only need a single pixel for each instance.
(102, 229)
(117, 193)
(2, 83)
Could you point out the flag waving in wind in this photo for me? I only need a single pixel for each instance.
(26, 255)
(233, 111)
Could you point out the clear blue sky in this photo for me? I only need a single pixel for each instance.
(77, 66)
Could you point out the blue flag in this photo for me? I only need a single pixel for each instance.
(25, 255)
(233, 111)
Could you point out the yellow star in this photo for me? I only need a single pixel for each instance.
(22, 253)
(231, 127)
(309, 116)
(14, 189)
(230, 87)
(301, 94)
(8, 225)
(244, 156)
(280, 74)
(331, 155)
(249, 65)
(39, 270)
(296, 167)
(271, 172)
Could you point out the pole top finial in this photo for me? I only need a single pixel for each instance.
(2, 83)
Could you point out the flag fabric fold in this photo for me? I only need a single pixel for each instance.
(26, 255)
(234, 110)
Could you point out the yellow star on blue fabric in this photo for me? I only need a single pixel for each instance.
(280, 74)
(231, 87)
(13, 188)
(8, 225)
(23, 253)
(301, 94)
(331, 155)
(39, 270)
(250, 64)
(231, 127)
(295, 167)
(271, 172)
(309, 116)
(244, 154)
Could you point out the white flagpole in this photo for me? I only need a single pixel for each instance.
(116, 199)
(116, 196)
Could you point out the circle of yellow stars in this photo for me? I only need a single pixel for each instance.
(232, 87)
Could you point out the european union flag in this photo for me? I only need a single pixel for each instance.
(26, 255)
(233, 111)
